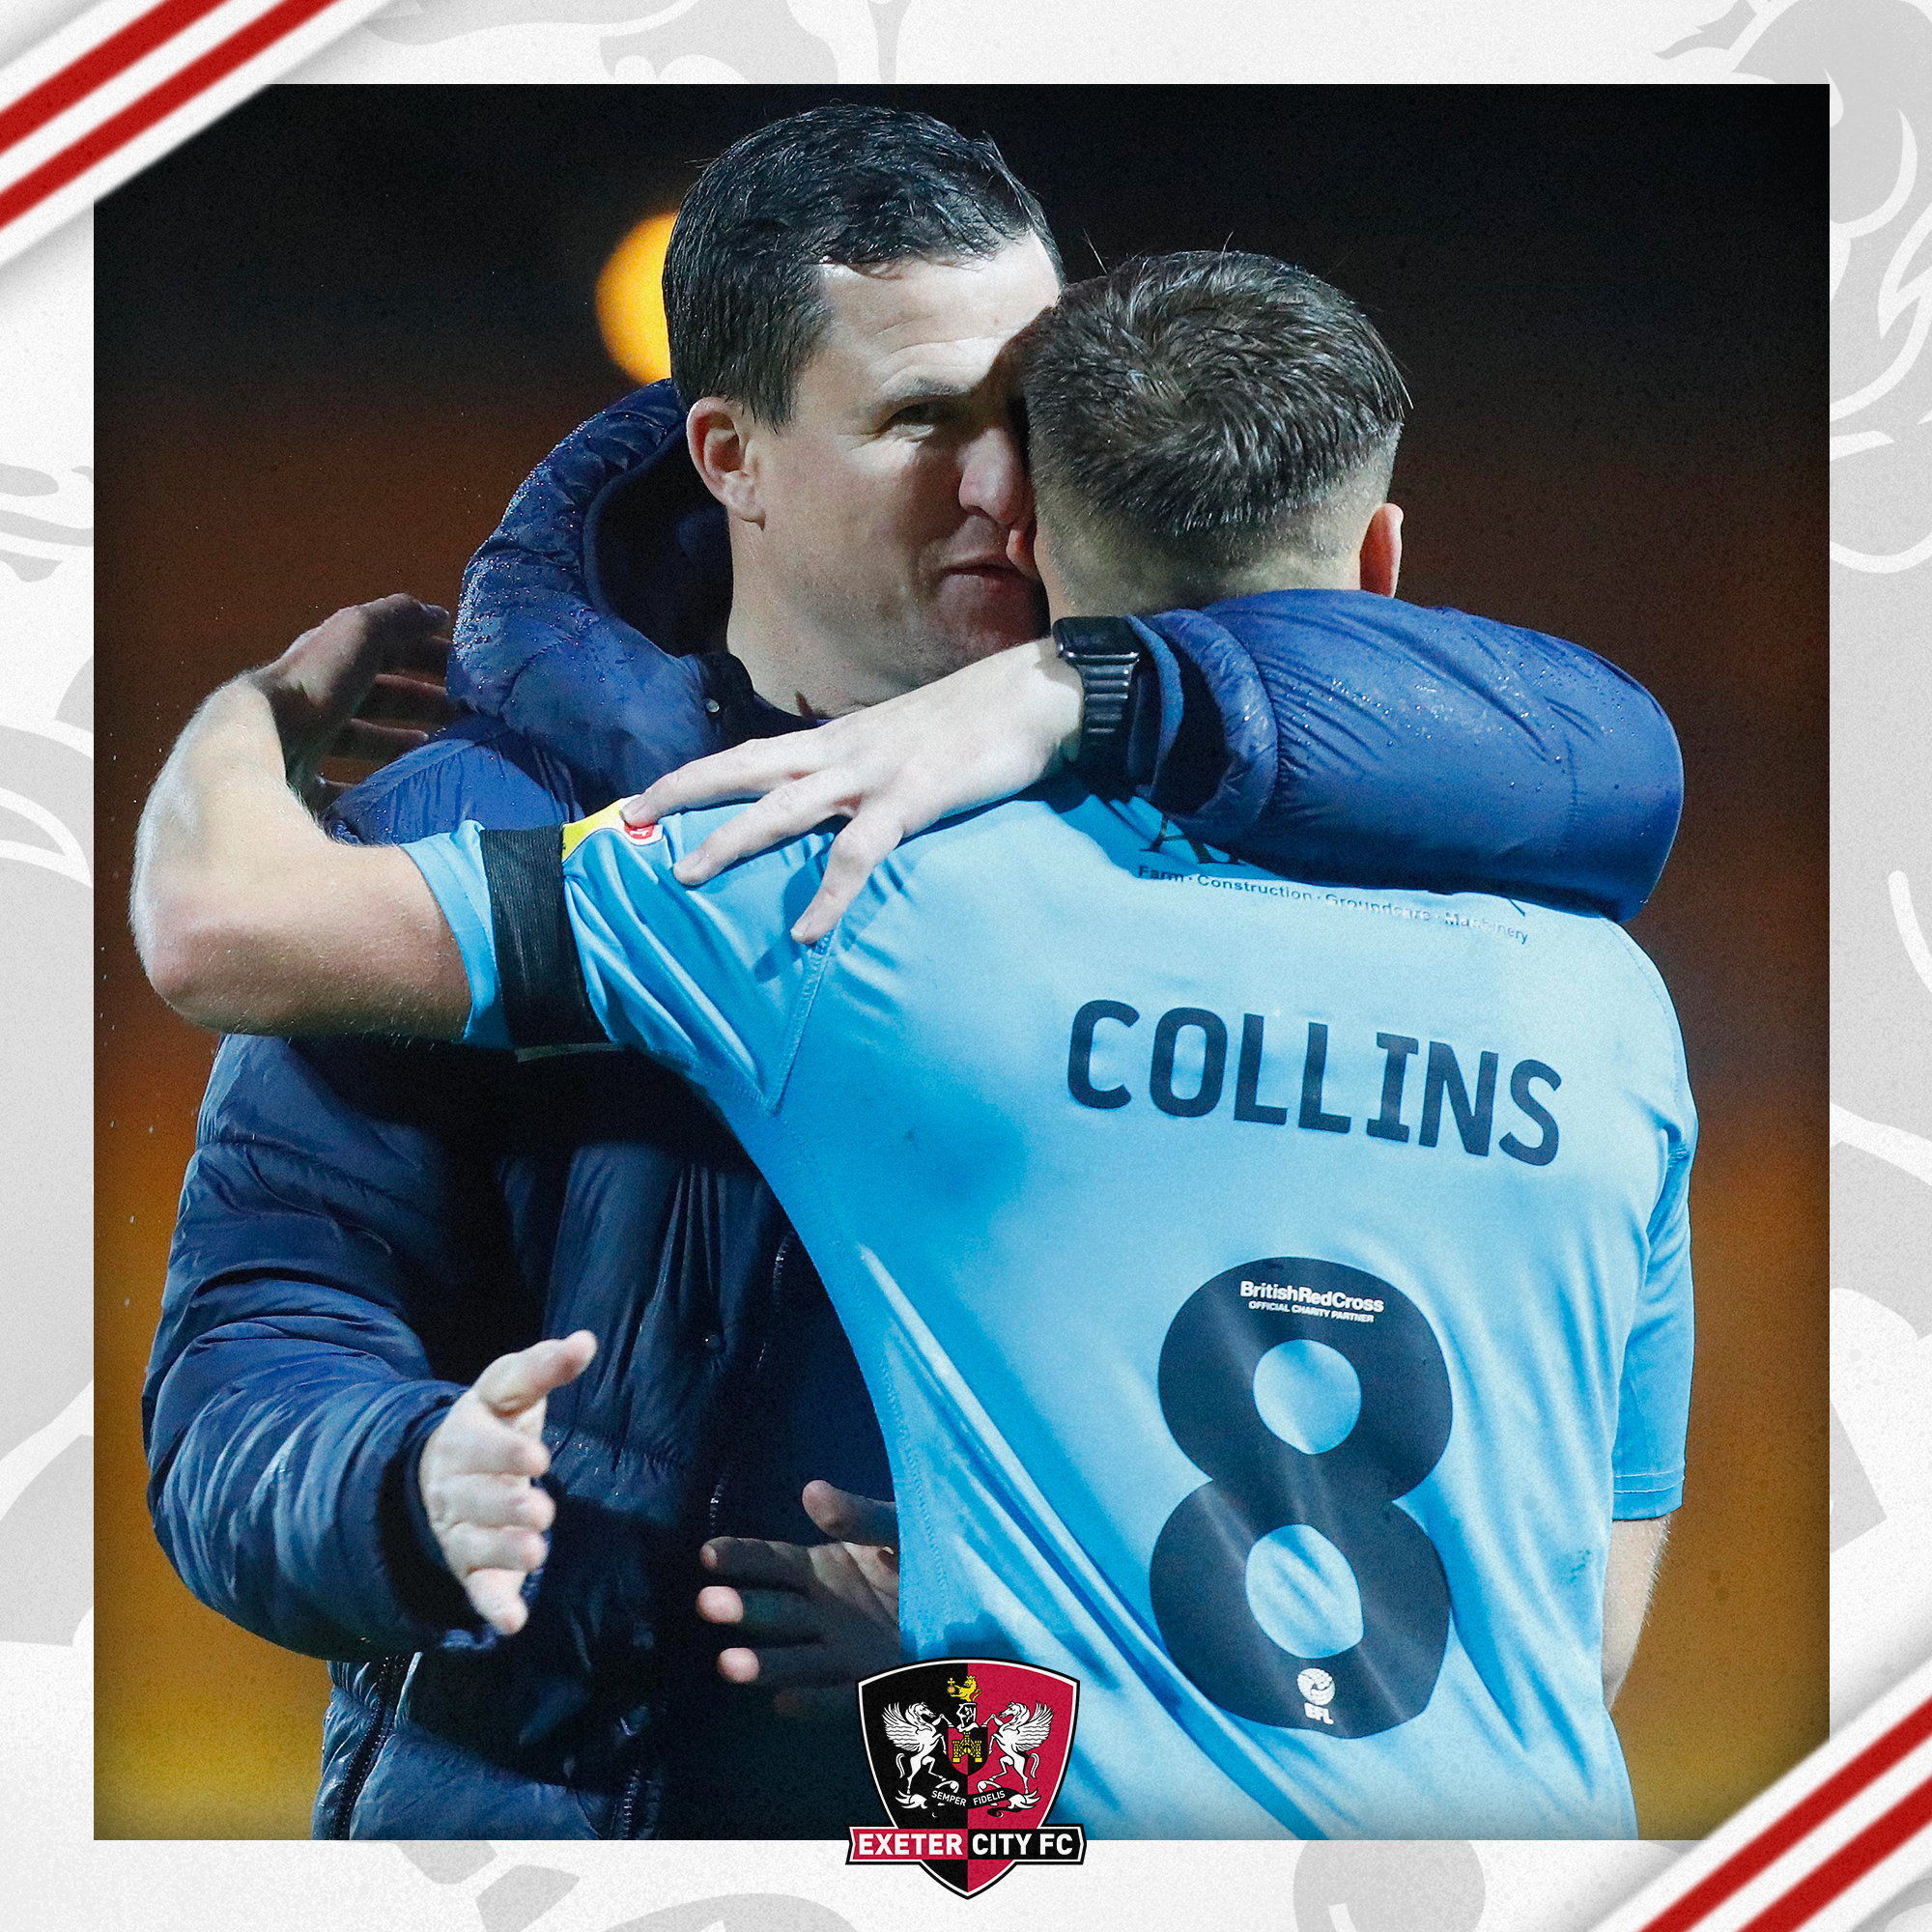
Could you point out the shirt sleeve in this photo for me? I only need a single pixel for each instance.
(1653, 1401)
(582, 933)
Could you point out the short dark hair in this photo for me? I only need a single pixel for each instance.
(1195, 412)
(852, 184)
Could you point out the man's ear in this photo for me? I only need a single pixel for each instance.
(1022, 544)
(720, 438)
(1381, 551)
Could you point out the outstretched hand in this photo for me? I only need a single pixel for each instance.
(365, 686)
(811, 1619)
(478, 1473)
(980, 734)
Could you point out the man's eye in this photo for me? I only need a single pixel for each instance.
(917, 415)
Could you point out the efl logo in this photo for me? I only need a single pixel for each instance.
(968, 1753)
(646, 834)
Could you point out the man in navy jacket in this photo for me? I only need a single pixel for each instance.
(366, 1228)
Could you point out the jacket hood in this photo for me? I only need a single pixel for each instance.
(582, 613)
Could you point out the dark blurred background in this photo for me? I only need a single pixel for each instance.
(335, 330)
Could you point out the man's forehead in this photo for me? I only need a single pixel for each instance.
(944, 319)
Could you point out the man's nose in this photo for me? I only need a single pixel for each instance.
(993, 478)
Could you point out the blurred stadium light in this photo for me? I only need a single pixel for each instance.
(629, 300)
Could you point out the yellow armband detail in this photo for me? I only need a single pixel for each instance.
(610, 819)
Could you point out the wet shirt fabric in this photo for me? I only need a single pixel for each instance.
(1270, 1291)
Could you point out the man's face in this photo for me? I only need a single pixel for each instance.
(892, 498)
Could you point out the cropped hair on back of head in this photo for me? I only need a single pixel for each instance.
(854, 185)
(1191, 414)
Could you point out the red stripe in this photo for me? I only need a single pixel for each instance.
(1849, 1863)
(97, 66)
(1804, 1817)
(115, 132)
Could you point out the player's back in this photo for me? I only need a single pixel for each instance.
(1246, 1270)
(1268, 1290)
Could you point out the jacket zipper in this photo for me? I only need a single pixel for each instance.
(623, 1821)
(391, 1675)
(627, 1806)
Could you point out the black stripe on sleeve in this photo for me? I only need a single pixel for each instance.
(543, 1001)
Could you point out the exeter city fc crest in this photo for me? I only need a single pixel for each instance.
(968, 1753)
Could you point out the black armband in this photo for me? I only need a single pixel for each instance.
(543, 1001)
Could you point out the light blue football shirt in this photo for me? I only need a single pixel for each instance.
(1269, 1291)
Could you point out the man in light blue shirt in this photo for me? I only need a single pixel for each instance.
(1272, 1293)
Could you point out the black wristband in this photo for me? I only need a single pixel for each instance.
(1106, 652)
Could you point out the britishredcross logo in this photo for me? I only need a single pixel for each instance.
(968, 1753)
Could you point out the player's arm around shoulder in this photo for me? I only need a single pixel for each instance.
(248, 917)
